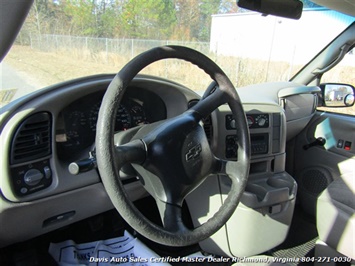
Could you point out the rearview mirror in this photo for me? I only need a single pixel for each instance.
(281, 8)
(337, 95)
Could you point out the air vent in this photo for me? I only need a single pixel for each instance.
(32, 139)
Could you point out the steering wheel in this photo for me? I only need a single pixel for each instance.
(172, 157)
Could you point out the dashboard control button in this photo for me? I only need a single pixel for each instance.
(347, 145)
(250, 120)
(340, 143)
(231, 147)
(47, 172)
(262, 120)
(253, 120)
(232, 123)
(33, 177)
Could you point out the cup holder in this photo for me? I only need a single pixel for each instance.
(257, 190)
(269, 190)
(281, 182)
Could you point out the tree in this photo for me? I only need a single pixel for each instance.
(81, 17)
(41, 16)
(228, 6)
(194, 17)
(148, 19)
(207, 8)
(187, 16)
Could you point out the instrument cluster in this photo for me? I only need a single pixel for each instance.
(76, 124)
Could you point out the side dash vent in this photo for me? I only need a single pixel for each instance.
(32, 139)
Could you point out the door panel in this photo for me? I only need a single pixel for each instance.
(316, 167)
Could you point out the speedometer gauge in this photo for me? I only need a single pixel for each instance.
(76, 123)
(138, 115)
(94, 113)
(123, 119)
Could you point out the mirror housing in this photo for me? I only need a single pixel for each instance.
(337, 95)
(281, 8)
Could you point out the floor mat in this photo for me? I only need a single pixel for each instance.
(303, 250)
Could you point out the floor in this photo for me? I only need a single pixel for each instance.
(301, 238)
(299, 243)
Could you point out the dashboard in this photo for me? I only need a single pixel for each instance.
(43, 133)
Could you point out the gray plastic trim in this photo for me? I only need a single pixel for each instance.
(298, 90)
(251, 230)
(31, 215)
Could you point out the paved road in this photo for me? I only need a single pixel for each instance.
(13, 80)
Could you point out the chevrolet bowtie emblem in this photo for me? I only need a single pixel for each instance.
(193, 153)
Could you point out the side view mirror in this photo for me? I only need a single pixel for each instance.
(337, 95)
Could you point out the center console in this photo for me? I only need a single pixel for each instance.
(264, 214)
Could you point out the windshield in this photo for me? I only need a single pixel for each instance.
(63, 40)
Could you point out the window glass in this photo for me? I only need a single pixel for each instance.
(62, 40)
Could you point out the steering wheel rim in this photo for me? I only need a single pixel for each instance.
(110, 158)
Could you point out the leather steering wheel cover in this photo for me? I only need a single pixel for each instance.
(108, 167)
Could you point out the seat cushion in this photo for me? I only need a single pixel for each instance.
(336, 215)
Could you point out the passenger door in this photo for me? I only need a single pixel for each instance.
(316, 167)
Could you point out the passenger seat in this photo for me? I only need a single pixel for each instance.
(336, 219)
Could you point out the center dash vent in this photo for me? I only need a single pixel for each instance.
(32, 139)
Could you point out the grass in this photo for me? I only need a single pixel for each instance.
(47, 68)
(51, 67)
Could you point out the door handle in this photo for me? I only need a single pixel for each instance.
(318, 142)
